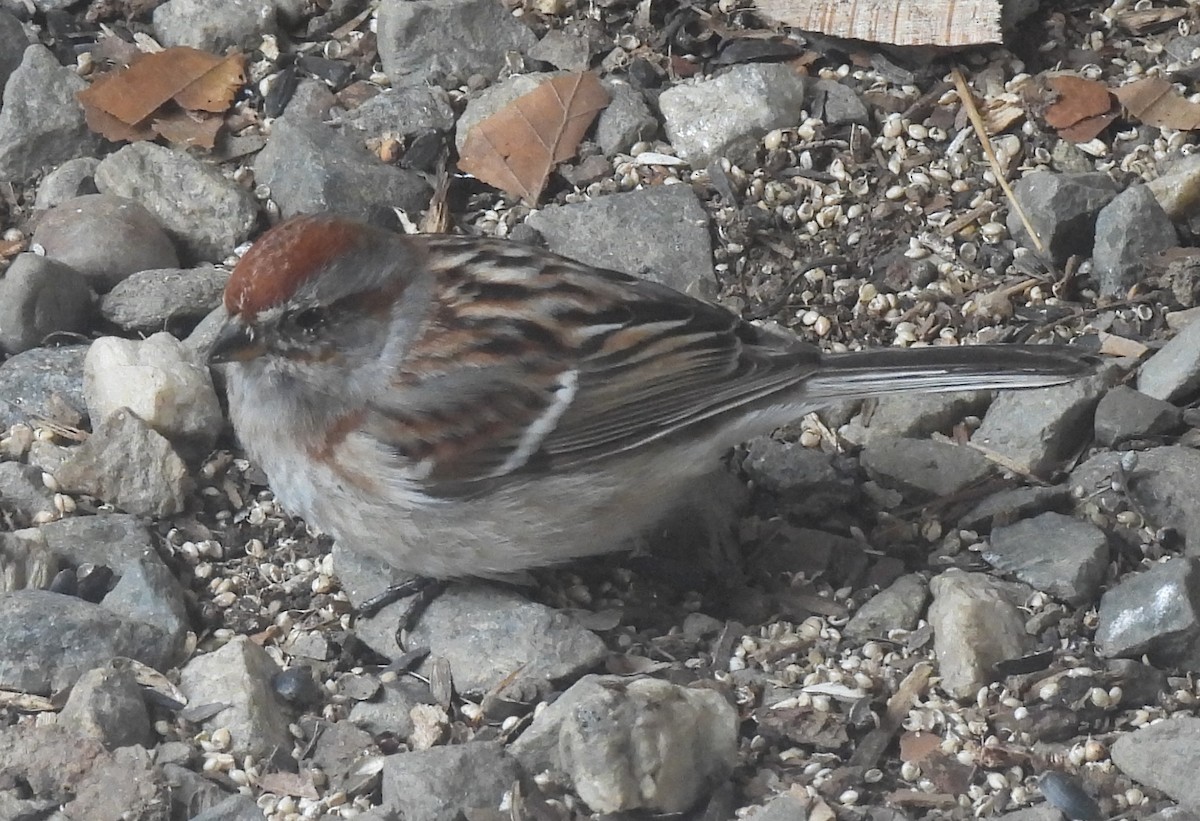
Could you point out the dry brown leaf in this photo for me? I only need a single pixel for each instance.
(915, 747)
(1140, 21)
(214, 90)
(284, 783)
(1155, 102)
(188, 129)
(1078, 99)
(516, 148)
(901, 22)
(125, 105)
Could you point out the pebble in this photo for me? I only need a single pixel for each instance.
(74, 178)
(159, 379)
(205, 213)
(215, 27)
(1130, 231)
(1163, 756)
(727, 115)
(1154, 613)
(444, 783)
(41, 122)
(1063, 210)
(169, 298)
(1054, 553)
(40, 297)
(43, 383)
(105, 238)
(436, 41)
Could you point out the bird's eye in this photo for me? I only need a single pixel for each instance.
(310, 320)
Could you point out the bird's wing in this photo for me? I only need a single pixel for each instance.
(528, 360)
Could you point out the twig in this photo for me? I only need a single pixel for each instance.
(968, 101)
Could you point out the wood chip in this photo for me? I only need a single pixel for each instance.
(930, 23)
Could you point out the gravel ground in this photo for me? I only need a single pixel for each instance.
(945, 607)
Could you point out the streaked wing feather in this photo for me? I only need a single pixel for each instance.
(604, 363)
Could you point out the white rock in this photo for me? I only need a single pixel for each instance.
(641, 744)
(161, 380)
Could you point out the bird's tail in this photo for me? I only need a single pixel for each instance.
(940, 369)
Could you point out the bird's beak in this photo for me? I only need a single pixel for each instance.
(235, 342)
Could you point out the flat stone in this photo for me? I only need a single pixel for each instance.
(1154, 613)
(105, 238)
(897, 607)
(41, 123)
(40, 297)
(40, 384)
(727, 115)
(1015, 504)
(50, 640)
(924, 469)
(976, 624)
(215, 27)
(239, 675)
(443, 783)
(106, 703)
(313, 168)
(1130, 231)
(686, 740)
(402, 111)
(444, 42)
(1125, 414)
(1164, 756)
(1173, 372)
(1063, 210)
(914, 416)
(206, 214)
(671, 245)
(171, 299)
(1162, 479)
(1053, 553)
(74, 178)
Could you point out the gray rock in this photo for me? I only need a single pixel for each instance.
(976, 624)
(492, 99)
(169, 299)
(837, 104)
(1012, 505)
(239, 675)
(106, 703)
(341, 751)
(728, 114)
(235, 807)
(41, 383)
(671, 245)
(564, 50)
(50, 640)
(1173, 372)
(915, 416)
(1044, 813)
(1164, 755)
(1063, 209)
(897, 607)
(1036, 429)
(783, 807)
(311, 168)
(146, 589)
(1155, 613)
(40, 297)
(625, 120)
(206, 214)
(41, 123)
(161, 380)
(1052, 553)
(400, 111)
(446, 41)
(105, 238)
(923, 469)
(22, 491)
(13, 42)
(215, 26)
(1124, 414)
(389, 710)
(686, 741)
(804, 476)
(1177, 187)
(74, 178)
(127, 463)
(1162, 481)
(443, 783)
(1130, 230)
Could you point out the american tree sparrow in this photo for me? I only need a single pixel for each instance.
(459, 406)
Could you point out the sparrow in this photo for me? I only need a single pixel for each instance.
(471, 407)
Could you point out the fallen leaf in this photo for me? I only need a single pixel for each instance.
(1078, 99)
(283, 783)
(131, 103)
(902, 23)
(516, 148)
(1141, 21)
(1155, 102)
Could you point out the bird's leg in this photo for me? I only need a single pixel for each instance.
(417, 592)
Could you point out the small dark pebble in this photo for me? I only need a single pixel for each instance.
(297, 685)
(1066, 794)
